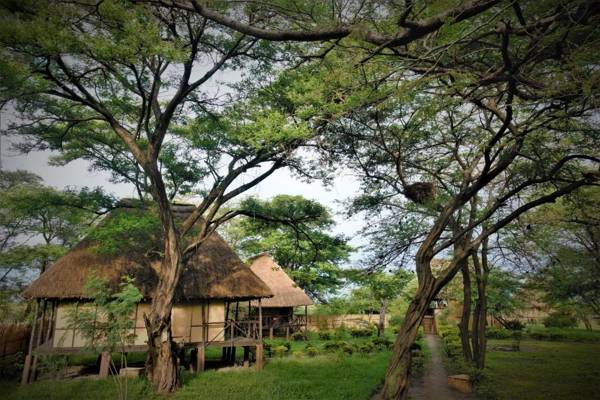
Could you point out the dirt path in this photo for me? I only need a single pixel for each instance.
(434, 383)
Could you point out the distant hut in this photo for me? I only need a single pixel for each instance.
(213, 279)
(278, 311)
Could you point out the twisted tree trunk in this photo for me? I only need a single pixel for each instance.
(463, 325)
(397, 375)
(479, 341)
(161, 361)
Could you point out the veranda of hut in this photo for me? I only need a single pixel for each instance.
(278, 317)
(213, 282)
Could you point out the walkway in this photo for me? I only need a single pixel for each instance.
(434, 383)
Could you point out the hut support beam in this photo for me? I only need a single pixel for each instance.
(259, 357)
(306, 321)
(104, 364)
(200, 358)
(27, 365)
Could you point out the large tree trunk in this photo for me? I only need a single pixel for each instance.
(463, 325)
(396, 378)
(479, 341)
(161, 362)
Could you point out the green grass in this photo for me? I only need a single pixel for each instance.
(328, 376)
(538, 332)
(542, 370)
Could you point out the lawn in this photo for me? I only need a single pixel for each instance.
(542, 370)
(328, 376)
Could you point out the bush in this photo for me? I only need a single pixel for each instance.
(497, 333)
(325, 335)
(366, 348)
(560, 319)
(514, 325)
(415, 346)
(279, 351)
(334, 346)
(381, 343)
(312, 351)
(341, 333)
(347, 349)
(361, 332)
(298, 336)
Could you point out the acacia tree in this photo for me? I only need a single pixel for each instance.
(306, 250)
(380, 288)
(111, 75)
(559, 245)
(516, 67)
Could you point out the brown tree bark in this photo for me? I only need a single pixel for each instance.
(161, 361)
(397, 375)
(479, 341)
(465, 317)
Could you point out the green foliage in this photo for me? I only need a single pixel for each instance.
(107, 322)
(127, 230)
(560, 319)
(294, 230)
(298, 336)
(325, 335)
(312, 351)
(363, 331)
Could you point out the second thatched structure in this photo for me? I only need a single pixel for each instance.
(278, 317)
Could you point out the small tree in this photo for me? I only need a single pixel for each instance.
(379, 289)
(107, 324)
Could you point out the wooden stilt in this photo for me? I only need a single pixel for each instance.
(200, 358)
(306, 321)
(193, 359)
(259, 356)
(26, 370)
(271, 332)
(233, 350)
(104, 365)
(287, 332)
(27, 364)
(246, 356)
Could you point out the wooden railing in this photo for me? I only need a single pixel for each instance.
(231, 330)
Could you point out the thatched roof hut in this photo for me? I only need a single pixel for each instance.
(286, 292)
(214, 272)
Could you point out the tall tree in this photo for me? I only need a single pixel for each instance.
(306, 250)
(112, 76)
(517, 66)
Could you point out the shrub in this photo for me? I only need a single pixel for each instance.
(341, 332)
(347, 349)
(312, 351)
(298, 336)
(361, 332)
(497, 333)
(366, 347)
(560, 319)
(279, 351)
(381, 343)
(514, 325)
(415, 346)
(334, 346)
(325, 335)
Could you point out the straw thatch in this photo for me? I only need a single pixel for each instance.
(285, 291)
(213, 272)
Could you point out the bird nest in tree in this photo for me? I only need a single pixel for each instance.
(420, 192)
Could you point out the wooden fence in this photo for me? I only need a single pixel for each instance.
(13, 339)
(325, 322)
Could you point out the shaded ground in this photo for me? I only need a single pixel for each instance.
(433, 385)
(542, 370)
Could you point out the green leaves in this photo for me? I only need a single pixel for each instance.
(294, 230)
(106, 322)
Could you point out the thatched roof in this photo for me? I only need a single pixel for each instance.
(286, 292)
(213, 272)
